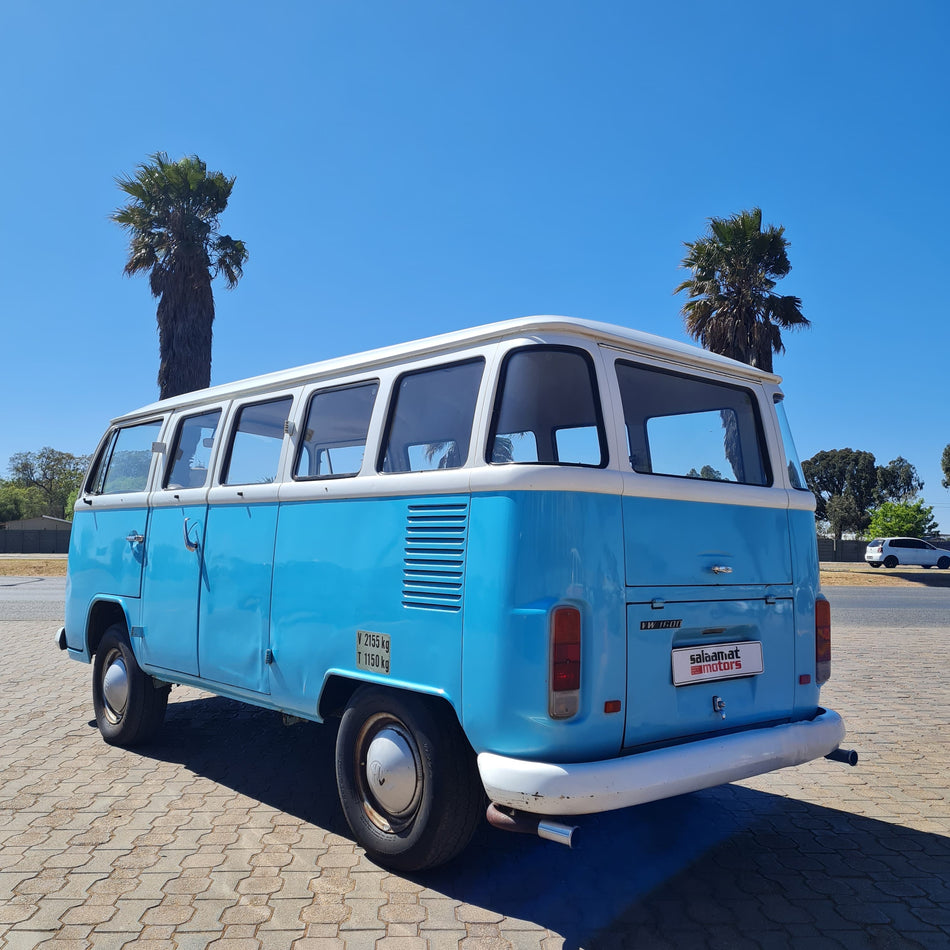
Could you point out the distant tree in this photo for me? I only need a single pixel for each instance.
(18, 503)
(898, 481)
(53, 474)
(945, 465)
(731, 308)
(844, 482)
(902, 519)
(842, 514)
(71, 503)
(708, 472)
(172, 221)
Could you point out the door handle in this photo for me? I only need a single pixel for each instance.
(133, 537)
(189, 544)
(720, 569)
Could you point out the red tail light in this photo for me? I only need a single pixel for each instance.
(822, 640)
(565, 662)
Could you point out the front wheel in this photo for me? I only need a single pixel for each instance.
(943, 563)
(129, 704)
(874, 563)
(407, 779)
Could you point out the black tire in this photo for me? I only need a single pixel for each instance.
(129, 704)
(435, 798)
(890, 561)
(874, 564)
(943, 563)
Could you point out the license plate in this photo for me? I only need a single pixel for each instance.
(372, 651)
(716, 661)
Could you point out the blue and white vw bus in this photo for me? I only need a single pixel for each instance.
(547, 565)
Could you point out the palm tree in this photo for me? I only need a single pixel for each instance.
(731, 309)
(173, 225)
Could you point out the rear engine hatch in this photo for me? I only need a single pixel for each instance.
(670, 543)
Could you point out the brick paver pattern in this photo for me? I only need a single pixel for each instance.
(226, 832)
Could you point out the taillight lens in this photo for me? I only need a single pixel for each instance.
(822, 641)
(565, 662)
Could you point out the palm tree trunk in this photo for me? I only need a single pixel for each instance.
(185, 317)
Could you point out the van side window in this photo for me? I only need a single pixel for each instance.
(692, 428)
(335, 435)
(124, 464)
(796, 476)
(431, 418)
(256, 442)
(547, 410)
(192, 451)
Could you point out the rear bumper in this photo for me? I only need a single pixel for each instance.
(586, 787)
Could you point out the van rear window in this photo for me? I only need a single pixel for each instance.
(691, 428)
(547, 410)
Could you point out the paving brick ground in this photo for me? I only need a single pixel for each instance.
(227, 833)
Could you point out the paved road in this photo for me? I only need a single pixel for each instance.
(32, 598)
(890, 607)
(227, 831)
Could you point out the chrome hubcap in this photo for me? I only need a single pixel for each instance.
(389, 772)
(115, 687)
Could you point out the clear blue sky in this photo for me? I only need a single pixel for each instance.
(405, 168)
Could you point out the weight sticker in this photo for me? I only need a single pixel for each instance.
(372, 652)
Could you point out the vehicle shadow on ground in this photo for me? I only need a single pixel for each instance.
(923, 578)
(250, 750)
(729, 866)
(883, 577)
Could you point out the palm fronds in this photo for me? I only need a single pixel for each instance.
(731, 308)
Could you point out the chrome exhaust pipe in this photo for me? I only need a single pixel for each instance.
(848, 756)
(524, 823)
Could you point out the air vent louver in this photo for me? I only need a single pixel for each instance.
(435, 556)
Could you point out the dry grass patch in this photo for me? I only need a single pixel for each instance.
(860, 575)
(32, 567)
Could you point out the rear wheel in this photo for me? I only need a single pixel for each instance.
(407, 779)
(890, 561)
(943, 563)
(129, 704)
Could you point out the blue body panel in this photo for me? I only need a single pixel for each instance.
(527, 552)
(657, 710)
(172, 589)
(806, 568)
(103, 565)
(677, 601)
(342, 566)
(234, 610)
(108, 560)
(676, 543)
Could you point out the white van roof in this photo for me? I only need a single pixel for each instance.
(540, 327)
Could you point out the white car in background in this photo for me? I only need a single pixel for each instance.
(893, 551)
